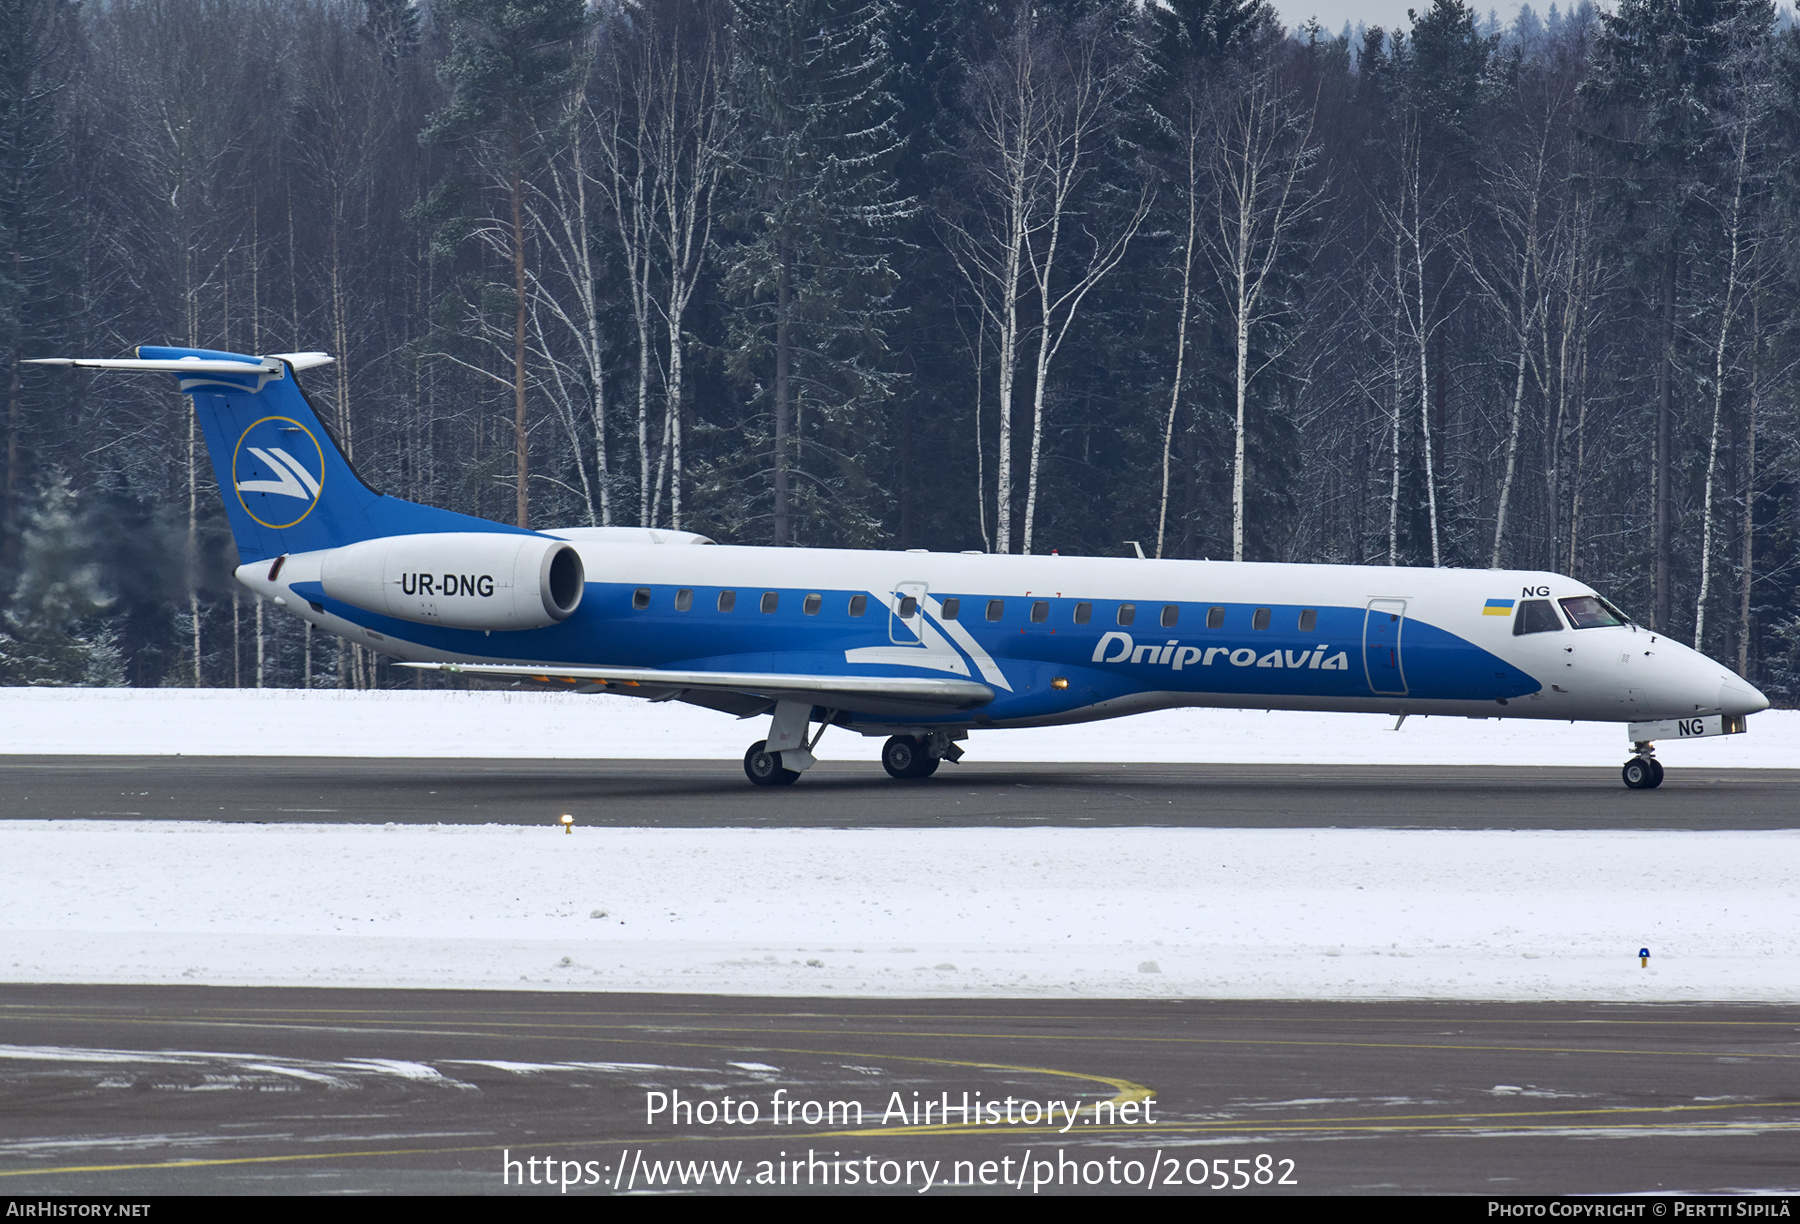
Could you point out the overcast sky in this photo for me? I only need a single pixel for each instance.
(1388, 14)
(1391, 14)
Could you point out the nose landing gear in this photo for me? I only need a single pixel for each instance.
(1643, 771)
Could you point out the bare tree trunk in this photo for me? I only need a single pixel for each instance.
(783, 290)
(1181, 334)
(1665, 445)
(673, 418)
(1422, 333)
(521, 438)
(1394, 483)
(1748, 563)
(1735, 238)
(191, 307)
(1009, 365)
(1512, 447)
(1580, 472)
(980, 463)
(340, 339)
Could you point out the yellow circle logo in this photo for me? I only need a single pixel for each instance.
(276, 486)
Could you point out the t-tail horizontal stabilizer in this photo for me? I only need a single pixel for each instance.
(287, 485)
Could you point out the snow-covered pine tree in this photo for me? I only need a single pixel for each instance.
(53, 631)
(810, 279)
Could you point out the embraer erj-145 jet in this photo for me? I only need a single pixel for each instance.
(918, 646)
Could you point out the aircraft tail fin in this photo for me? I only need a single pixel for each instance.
(286, 483)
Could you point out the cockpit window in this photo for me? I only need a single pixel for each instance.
(1535, 616)
(1592, 612)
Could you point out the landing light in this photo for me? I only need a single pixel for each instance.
(1059, 682)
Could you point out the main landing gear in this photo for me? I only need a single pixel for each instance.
(906, 756)
(1643, 771)
(787, 753)
(918, 756)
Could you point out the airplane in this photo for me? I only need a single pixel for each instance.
(920, 647)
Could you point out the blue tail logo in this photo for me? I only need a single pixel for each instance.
(278, 463)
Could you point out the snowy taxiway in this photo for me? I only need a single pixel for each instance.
(1221, 913)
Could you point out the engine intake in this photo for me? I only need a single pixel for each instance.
(463, 580)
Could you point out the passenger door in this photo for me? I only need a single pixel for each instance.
(903, 630)
(1382, 626)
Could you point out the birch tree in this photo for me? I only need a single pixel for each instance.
(1739, 119)
(1259, 201)
(662, 142)
(1514, 263)
(1044, 114)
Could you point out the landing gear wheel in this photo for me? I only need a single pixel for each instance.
(905, 757)
(1643, 773)
(764, 767)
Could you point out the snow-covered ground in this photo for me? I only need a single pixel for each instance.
(294, 722)
(1215, 913)
(1210, 913)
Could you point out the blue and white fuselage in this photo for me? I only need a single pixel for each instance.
(920, 646)
(1068, 639)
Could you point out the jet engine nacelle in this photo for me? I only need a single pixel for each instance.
(464, 579)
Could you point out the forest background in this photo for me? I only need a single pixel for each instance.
(957, 274)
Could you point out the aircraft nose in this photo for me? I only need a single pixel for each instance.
(1740, 697)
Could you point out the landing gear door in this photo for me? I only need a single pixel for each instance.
(1382, 627)
(907, 615)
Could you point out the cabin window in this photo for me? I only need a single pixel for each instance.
(951, 608)
(1260, 620)
(1127, 613)
(727, 600)
(1171, 614)
(1535, 616)
(996, 609)
(1215, 618)
(1309, 619)
(770, 601)
(909, 607)
(859, 604)
(1040, 611)
(813, 604)
(1591, 612)
(640, 598)
(1084, 612)
(684, 599)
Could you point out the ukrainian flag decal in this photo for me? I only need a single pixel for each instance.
(1498, 607)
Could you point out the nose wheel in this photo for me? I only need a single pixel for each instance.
(1643, 773)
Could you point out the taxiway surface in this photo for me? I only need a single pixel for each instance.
(190, 1090)
(700, 794)
(145, 1090)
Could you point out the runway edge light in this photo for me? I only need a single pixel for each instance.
(568, 823)
(1643, 958)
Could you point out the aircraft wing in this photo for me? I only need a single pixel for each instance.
(187, 365)
(865, 694)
